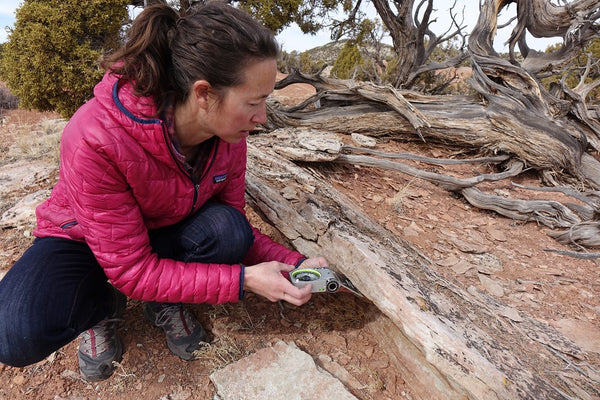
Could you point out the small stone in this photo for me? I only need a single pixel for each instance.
(462, 267)
(496, 234)
(491, 286)
(289, 193)
(412, 230)
(448, 262)
(511, 313)
(502, 192)
(488, 263)
(335, 340)
(19, 380)
(69, 374)
(467, 247)
(378, 364)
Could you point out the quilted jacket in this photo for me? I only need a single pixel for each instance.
(119, 179)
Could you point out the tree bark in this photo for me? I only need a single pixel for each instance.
(463, 344)
(498, 124)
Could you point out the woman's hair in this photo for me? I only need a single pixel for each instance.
(165, 53)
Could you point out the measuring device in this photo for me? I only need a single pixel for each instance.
(322, 280)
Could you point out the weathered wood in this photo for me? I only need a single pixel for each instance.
(315, 146)
(458, 121)
(466, 344)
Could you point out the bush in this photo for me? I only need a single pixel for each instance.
(51, 58)
(348, 62)
(302, 62)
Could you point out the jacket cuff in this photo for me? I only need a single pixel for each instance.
(300, 261)
(242, 292)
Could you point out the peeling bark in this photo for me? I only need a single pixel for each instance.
(466, 344)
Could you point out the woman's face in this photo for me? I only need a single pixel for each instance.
(242, 107)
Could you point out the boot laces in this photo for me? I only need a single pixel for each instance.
(176, 320)
(99, 338)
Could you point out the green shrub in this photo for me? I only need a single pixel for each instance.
(51, 58)
(348, 61)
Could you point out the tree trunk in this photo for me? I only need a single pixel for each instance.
(459, 344)
(497, 125)
(403, 34)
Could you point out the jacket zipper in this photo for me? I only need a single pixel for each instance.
(68, 224)
(207, 168)
(195, 183)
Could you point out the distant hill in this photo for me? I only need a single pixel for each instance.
(329, 52)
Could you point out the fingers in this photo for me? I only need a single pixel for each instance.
(314, 262)
(297, 296)
(266, 280)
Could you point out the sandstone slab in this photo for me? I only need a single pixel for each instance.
(282, 371)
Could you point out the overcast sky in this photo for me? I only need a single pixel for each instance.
(293, 39)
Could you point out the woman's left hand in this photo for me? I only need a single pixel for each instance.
(314, 262)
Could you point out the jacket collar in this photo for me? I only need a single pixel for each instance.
(124, 110)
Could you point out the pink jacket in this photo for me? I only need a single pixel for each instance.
(119, 179)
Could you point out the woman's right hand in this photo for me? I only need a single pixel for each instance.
(265, 279)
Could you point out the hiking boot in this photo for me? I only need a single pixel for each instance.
(184, 333)
(100, 345)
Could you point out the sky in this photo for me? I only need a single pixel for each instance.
(293, 39)
(7, 16)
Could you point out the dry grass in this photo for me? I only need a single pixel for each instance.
(34, 142)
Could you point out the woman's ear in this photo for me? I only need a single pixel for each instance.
(201, 93)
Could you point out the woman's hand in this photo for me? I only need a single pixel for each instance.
(314, 262)
(265, 279)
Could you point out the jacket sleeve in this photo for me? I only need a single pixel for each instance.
(114, 229)
(264, 248)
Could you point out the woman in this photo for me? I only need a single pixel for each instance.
(150, 199)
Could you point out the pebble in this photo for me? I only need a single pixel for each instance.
(362, 140)
(336, 340)
(496, 234)
(448, 262)
(462, 267)
(19, 380)
(69, 374)
(491, 286)
(467, 247)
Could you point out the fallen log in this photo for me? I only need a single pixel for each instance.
(458, 343)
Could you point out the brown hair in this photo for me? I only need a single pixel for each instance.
(165, 53)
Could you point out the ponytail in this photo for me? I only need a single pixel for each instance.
(145, 59)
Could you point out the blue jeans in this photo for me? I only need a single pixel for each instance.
(57, 289)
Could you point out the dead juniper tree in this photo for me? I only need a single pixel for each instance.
(513, 116)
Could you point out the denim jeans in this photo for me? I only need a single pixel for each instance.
(57, 289)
